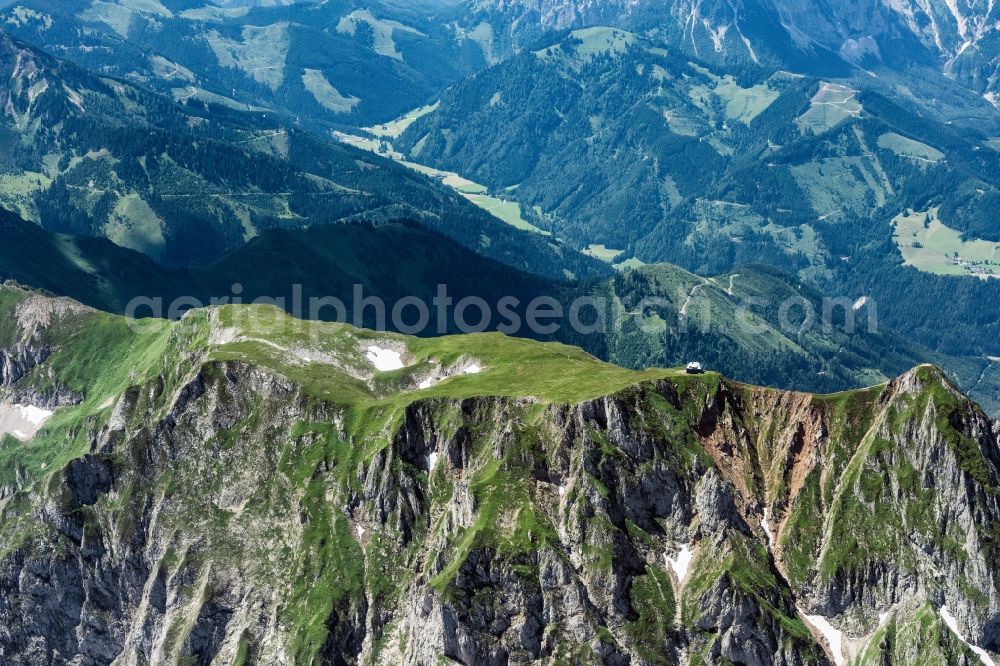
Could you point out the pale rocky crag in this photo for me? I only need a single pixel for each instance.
(958, 38)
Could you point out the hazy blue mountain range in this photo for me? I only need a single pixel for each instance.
(359, 63)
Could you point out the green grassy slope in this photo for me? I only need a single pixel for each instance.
(99, 355)
(759, 322)
(327, 359)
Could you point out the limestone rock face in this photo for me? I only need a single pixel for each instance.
(958, 38)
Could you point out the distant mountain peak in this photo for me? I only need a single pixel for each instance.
(958, 37)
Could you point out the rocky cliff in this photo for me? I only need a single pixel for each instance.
(959, 38)
(227, 491)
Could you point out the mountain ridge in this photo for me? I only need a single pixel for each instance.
(654, 315)
(956, 39)
(235, 484)
(570, 503)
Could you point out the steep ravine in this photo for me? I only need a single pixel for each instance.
(220, 512)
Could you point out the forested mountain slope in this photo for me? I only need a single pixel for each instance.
(263, 495)
(623, 117)
(920, 45)
(88, 155)
(321, 63)
(369, 61)
(390, 261)
(612, 140)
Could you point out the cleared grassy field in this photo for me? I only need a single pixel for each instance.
(905, 147)
(838, 186)
(738, 103)
(261, 55)
(118, 17)
(685, 122)
(630, 264)
(214, 13)
(192, 93)
(383, 31)
(324, 92)
(603, 253)
(745, 104)
(364, 143)
(384, 148)
(609, 255)
(593, 42)
(508, 211)
(503, 209)
(831, 105)
(449, 178)
(165, 69)
(133, 224)
(928, 245)
(394, 128)
(17, 192)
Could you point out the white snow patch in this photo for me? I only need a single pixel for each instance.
(432, 460)
(860, 303)
(22, 421)
(385, 360)
(952, 623)
(882, 617)
(562, 491)
(34, 415)
(361, 531)
(834, 638)
(441, 374)
(682, 562)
